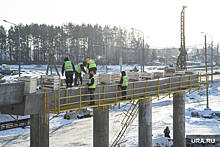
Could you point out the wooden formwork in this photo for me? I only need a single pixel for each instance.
(50, 82)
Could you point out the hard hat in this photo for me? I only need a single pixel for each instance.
(87, 60)
(92, 72)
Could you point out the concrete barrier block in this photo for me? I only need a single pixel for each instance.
(11, 93)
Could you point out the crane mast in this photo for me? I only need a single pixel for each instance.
(181, 61)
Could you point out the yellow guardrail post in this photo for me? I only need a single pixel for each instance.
(180, 83)
(190, 83)
(198, 82)
(99, 95)
(134, 89)
(55, 103)
(200, 79)
(131, 91)
(58, 101)
(47, 100)
(45, 118)
(103, 109)
(103, 93)
(66, 102)
(87, 91)
(116, 94)
(146, 84)
(158, 93)
(170, 88)
(80, 98)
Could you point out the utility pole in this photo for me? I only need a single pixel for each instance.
(142, 69)
(106, 55)
(212, 62)
(211, 55)
(207, 92)
(120, 59)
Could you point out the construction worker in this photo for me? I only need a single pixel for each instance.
(90, 114)
(123, 85)
(91, 88)
(166, 132)
(91, 65)
(69, 69)
(78, 69)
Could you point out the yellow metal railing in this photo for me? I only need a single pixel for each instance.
(55, 103)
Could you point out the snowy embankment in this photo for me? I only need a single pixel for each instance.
(78, 132)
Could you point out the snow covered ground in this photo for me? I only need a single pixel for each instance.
(78, 132)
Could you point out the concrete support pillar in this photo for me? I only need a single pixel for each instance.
(179, 120)
(145, 124)
(101, 127)
(39, 131)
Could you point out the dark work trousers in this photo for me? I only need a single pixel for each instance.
(69, 80)
(93, 69)
(123, 93)
(78, 75)
(92, 96)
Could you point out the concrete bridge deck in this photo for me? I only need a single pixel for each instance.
(39, 104)
(78, 97)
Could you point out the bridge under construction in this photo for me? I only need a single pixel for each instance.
(139, 93)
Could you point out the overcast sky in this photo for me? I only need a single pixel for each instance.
(158, 19)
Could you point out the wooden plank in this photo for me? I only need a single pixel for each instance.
(149, 75)
(189, 71)
(160, 74)
(180, 72)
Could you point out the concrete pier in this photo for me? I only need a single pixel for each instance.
(39, 131)
(101, 127)
(145, 124)
(179, 120)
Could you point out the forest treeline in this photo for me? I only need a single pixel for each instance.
(76, 41)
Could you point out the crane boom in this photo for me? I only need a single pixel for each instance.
(181, 61)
